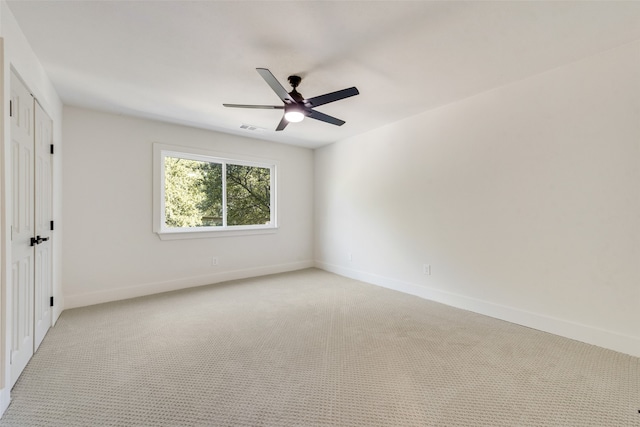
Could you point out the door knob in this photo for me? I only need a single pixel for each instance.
(37, 240)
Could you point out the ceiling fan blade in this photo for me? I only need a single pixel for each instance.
(275, 85)
(265, 107)
(331, 97)
(324, 117)
(283, 124)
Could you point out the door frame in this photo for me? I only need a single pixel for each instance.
(5, 244)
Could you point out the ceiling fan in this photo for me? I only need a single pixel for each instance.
(296, 107)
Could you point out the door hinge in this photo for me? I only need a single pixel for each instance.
(10, 108)
(51, 148)
(51, 302)
(51, 225)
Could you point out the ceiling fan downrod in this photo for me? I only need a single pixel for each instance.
(294, 81)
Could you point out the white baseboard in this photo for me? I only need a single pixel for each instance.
(565, 328)
(5, 399)
(92, 298)
(57, 310)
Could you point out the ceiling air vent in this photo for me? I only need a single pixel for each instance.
(251, 127)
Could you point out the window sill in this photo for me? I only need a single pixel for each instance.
(205, 234)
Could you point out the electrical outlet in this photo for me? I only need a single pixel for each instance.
(214, 261)
(426, 269)
(350, 256)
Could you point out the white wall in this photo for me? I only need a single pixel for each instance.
(525, 201)
(110, 248)
(17, 54)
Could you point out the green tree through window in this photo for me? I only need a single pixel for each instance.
(248, 195)
(194, 194)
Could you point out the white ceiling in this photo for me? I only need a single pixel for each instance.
(178, 61)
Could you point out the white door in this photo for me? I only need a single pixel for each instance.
(31, 253)
(22, 226)
(43, 215)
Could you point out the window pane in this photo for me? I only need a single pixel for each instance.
(193, 193)
(248, 195)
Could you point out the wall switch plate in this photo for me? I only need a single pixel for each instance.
(426, 269)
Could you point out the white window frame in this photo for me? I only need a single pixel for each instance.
(160, 151)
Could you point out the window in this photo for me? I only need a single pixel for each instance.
(202, 194)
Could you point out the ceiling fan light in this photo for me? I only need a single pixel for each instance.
(294, 116)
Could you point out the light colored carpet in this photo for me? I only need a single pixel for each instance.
(310, 348)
